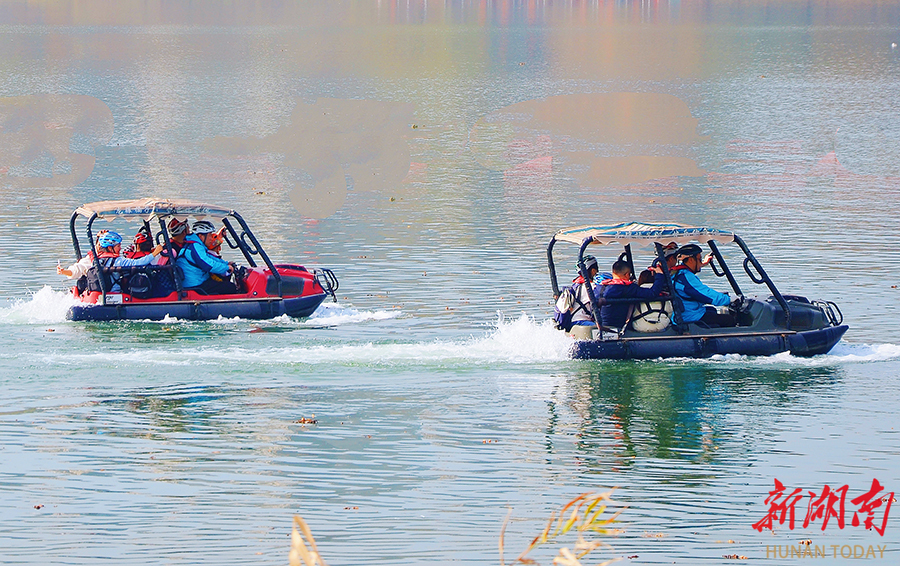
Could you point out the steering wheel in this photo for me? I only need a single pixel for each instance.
(240, 275)
(739, 305)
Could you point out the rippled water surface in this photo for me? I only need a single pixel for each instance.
(442, 398)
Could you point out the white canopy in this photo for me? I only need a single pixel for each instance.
(643, 234)
(148, 207)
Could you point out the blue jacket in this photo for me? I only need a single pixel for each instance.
(695, 295)
(614, 315)
(196, 262)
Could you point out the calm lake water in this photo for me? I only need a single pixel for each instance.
(426, 152)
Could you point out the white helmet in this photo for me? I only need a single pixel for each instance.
(203, 227)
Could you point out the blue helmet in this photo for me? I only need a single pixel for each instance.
(109, 239)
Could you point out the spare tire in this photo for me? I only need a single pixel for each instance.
(653, 316)
(140, 286)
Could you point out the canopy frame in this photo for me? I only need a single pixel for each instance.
(658, 235)
(162, 209)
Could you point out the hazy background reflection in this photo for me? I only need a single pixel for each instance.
(426, 151)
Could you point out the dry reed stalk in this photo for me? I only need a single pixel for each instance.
(582, 514)
(300, 555)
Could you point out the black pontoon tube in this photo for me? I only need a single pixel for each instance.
(595, 305)
(553, 282)
(765, 279)
(727, 272)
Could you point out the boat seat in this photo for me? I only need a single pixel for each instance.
(581, 332)
(653, 316)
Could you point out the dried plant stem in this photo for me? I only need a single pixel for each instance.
(502, 533)
(300, 555)
(582, 514)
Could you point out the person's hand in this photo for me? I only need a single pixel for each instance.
(59, 269)
(708, 259)
(737, 304)
(657, 269)
(157, 249)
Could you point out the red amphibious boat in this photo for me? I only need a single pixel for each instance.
(154, 292)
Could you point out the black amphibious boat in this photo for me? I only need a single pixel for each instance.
(765, 326)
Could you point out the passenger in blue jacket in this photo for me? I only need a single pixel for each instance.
(699, 300)
(202, 269)
(621, 286)
(109, 246)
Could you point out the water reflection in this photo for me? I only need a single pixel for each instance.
(125, 334)
(682, 412)
(46, 141)
(783, 112)
(329, 141)
(172, 410)
(423, 12)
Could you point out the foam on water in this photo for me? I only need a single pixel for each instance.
(333, 314)
(49, 306)
(843, 353)
(44, 306)
(327, 315)
(519, 341)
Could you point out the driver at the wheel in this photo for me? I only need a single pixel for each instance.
(216, 250)
(202, 269)
(699, 300)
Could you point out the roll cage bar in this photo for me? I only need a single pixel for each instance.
(760, 277)
(236, 241)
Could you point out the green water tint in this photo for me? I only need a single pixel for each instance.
(184, 442)
(678, 411)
